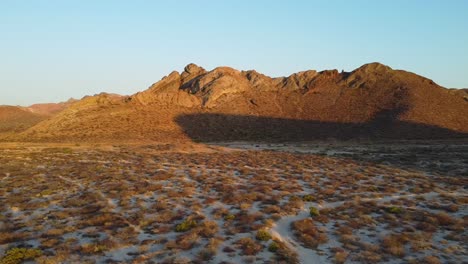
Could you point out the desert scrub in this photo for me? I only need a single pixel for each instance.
(309, 235)
(186, 225)
(45, 193)
(206, 254)
(308, 198)
(314, 211)
(394, 245)
(93, 248)
(249, 246)
(229, 217)
(208, 229)
(263, 235)
(273, 247)
(284, 254)
(394, 210)
(18, 255)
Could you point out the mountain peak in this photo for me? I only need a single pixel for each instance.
(193, 68)
(191, 71)
(373, 66)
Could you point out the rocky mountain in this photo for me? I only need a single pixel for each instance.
(373, 101)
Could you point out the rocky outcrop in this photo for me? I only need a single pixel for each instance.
(167, 92)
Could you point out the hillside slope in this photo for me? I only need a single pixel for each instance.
(373, 101)
(15, 119)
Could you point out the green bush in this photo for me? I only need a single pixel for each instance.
(19, 255)
(314, 211)
(273, 247)
(229, 217)
(46, 193)
(186, 225)
(394, 210)
(263, 235)
(308, 198)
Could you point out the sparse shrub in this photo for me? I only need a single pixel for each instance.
(93, 248)
(206, 254)
(45, 193)
(340, 256)
(186, 240)
(263, 235)
(229, 217)
(308, 198)
(208, 229)
(314, 211)
(19, 255)
(273, 247)
(294, 204)
(369, 257)
(285, 255)
(186, 225)
(394, 210)
(7, 237)
(249, 246)
(393, 245)
(269, 222)
(444, 219)
(306, 231)
(431, 260)
(272, 209)
(228, 249)
(452, 208)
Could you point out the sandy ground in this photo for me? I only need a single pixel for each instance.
(390, 203)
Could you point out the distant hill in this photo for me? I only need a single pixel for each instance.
(50, 109)
(15, 119)
(373, 101)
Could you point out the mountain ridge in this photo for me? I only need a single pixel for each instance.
(326, 96)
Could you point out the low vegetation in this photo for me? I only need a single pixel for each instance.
(137, 204)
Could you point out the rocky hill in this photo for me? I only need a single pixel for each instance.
(373, 101)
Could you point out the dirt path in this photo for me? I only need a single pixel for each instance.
(281, 230)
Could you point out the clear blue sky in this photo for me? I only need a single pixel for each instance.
(53, 50)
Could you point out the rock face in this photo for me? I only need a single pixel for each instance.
(373, 101)
(166, 92)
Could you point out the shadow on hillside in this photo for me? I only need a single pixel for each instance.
(222, 127)
(442, 157)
